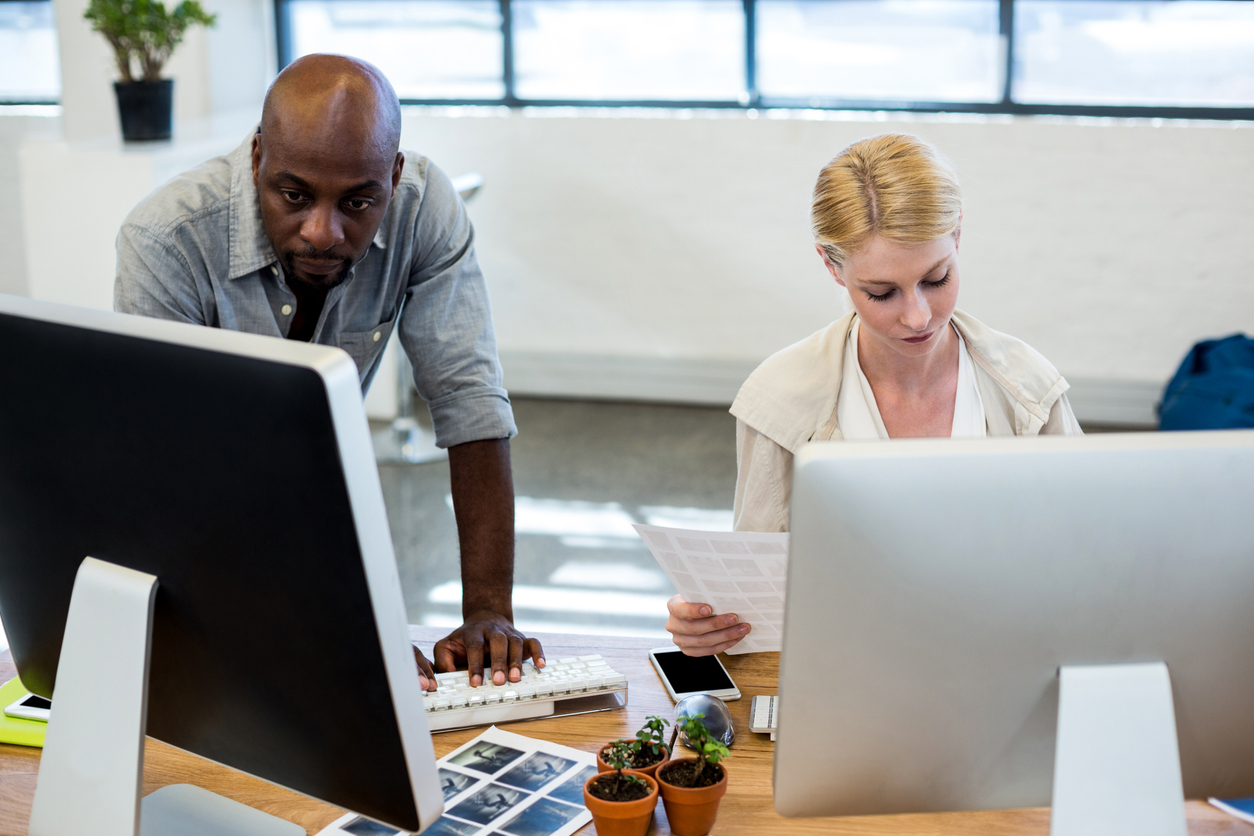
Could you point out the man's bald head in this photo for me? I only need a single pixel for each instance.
(326, 165)
(320, 98)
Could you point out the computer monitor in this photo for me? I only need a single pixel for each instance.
(940, 590)
(238, 471)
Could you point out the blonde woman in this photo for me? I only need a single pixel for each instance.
(905, 363)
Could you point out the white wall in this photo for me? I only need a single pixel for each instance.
(1110, 246)
(662, 255)
(18, 125)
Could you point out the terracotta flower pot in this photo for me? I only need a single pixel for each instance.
(621, 818)
(691, 812)
(602, 766)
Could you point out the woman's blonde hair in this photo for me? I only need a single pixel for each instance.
(894, 185)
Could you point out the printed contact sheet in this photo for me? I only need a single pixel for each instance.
(734, 572)
(501, 784)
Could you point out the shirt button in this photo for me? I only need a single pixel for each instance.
(274, 268)
(377, 335)
(287, 310)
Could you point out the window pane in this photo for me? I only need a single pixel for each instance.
(29, 67)
(428, 49)
(629, 49)
(913, 50)
(1134, 53)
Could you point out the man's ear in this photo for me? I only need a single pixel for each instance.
(256, 156)
(397, 168)
(827, 262)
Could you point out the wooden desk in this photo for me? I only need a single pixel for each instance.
(746, 809)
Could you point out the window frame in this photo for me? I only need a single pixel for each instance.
(755, 101)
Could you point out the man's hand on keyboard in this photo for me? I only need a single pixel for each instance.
(426, 676)
(698, 632)
(490, 638)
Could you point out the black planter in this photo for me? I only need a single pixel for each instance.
(146, 108)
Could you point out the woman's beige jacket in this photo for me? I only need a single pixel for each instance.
(790, 400)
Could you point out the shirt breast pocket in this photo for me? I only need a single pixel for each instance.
(365, 347)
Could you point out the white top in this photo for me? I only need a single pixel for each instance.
(858, 414)
(792, 400)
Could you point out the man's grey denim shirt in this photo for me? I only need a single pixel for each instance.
(195, 251)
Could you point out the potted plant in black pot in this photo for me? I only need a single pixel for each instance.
(142, 34)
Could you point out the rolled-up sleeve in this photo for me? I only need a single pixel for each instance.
(446, 325)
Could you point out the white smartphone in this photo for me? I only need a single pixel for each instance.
(30, 707)
(683, 675)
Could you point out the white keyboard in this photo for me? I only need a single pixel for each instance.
(764, 715)
(571, 685)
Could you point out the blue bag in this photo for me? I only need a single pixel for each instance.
(1213, 388)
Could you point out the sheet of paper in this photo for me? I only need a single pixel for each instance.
(504, 784)
(740, 572)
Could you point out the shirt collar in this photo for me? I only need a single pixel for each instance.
(250, 247)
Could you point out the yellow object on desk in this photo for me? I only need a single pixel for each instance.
(15, 729)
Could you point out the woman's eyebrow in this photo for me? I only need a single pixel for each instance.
(935, 266)
(929, 271)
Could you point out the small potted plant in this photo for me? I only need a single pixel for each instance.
(621, 801)
(643, 754)
(692, 787)
(142, 34)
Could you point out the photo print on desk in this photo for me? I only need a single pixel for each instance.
(536, 771)
(739, 572)
(488, 803)
(571, 790)
(528, 774)
(486, 757)
(543, 818)
(444, 826)
(453, 783)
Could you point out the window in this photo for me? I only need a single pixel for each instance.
(629, 49)
(30, 72)
(434, 49)
(1134, 52)
(930, 51)
(1187, 58)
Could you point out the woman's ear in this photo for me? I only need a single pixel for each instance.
(827, 262)
(958, 232)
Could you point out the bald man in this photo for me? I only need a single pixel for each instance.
(318, 228)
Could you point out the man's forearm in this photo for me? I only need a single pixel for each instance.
(483, 502)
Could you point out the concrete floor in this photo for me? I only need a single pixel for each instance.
(583, 473)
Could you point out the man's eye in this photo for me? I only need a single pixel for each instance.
(292, 197)
(357, 204)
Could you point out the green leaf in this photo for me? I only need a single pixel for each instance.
(143, 32)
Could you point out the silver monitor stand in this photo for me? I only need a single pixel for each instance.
(92, 769)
